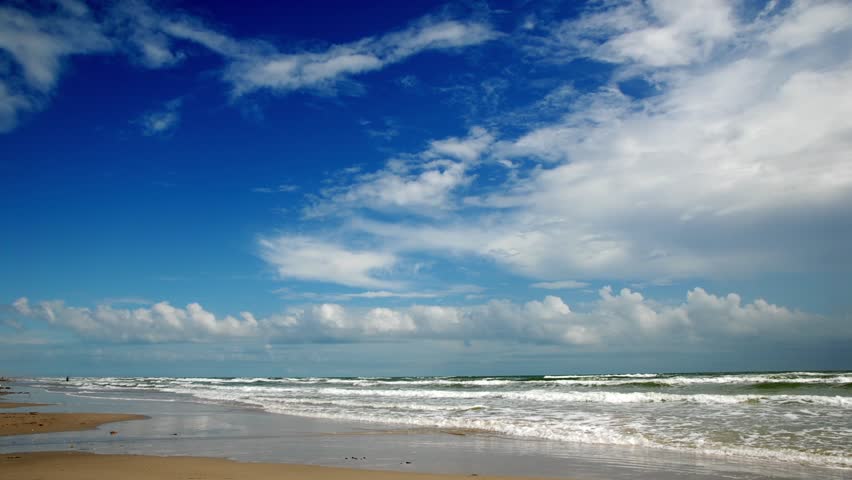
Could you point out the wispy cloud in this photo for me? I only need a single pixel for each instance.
(423, 184)
(311, 259)
(39, 46)
(254, 64)
(283, 188)
(161, 122)
(322, 70)
(40, 41)
(651, 34)
(560, 285)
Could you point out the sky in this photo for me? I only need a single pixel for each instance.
(424, 188)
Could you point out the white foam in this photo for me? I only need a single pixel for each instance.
(813, 429)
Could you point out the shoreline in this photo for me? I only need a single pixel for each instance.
(21, 404)
(76, 465)
(183, 426)
(35, 422)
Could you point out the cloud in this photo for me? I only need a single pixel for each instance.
(254, 64)
(454, 290)
(305, 258)
(651, 34)
(613, 323)
(424, 183)
(283, 188)
(324, 69)
(716, 175)
(139, 30)
(808, 23)
(560, 285)
(161, 122)
(159, 323)
(38, 48)
(39, 40)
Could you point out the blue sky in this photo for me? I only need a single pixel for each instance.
(425, 187)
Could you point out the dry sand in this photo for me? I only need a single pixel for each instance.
(80, 466)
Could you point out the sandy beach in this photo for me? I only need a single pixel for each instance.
(78, 465)
(38, 422)
(68, 436)
(20, 404)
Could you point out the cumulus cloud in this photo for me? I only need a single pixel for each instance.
(159, 323)
(614, 322)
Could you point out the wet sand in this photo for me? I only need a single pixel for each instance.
(36, 422)
(20, 404)
(79, 466)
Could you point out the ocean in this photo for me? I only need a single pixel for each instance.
(804, 418)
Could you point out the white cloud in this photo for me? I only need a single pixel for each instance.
(39, 45)
(721, 173)
(305, 258)
(654, 34)
(453, 290)
(254, 64)
(139, 30)
(807, 23)
(682, 33)
(39, 41)
(283, 188)
(387, 294)
(159, 323)
(161, 122)
(614, 323)
(12, 105)
(38, 48)
(323, 70)
(22, 305)
(424, 183)
(560, 285)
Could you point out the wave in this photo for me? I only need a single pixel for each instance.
(537, 395)
(580, 433)
(762, 382)
(753, 412)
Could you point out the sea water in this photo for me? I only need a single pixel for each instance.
(803, 418)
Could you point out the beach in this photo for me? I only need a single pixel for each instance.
(79, 466)
(201, 438)
(75, 465)
(37, 422)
